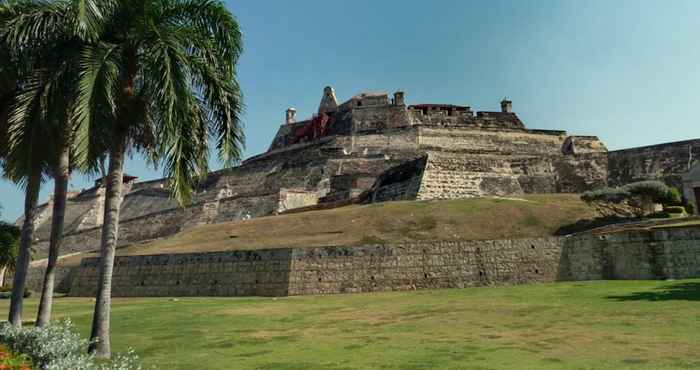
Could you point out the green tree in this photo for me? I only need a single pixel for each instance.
(9, 245)
(641, 197)
(24, 142)
(161, 80)
(48, 38)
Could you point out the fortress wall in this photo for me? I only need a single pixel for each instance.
(667, 162)
(241, 273)
(168, 222)
(423, 265)
(657, 254)
(328, 270)
(577, 173)
(400, 139)
(35, 279)
(134, 230)
(146, 201)
(294, 199)
(672, 253)
(242, 208)
(449, 176)
(516, 143)
(379, 118)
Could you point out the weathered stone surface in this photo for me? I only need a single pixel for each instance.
(667, 162)
(661, 254)
(691, 186)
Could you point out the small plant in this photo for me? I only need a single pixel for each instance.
(673, 197)
(690, 208)
(6, 292)
(12, 361)
(57, 346)
(675, 209)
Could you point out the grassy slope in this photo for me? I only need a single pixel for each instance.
(478, 218)
(587, 325)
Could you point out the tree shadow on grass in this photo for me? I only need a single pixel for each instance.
(675, 292)
(590, 224)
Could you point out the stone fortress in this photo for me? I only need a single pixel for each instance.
(374, 147)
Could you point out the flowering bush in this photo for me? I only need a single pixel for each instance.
(57, 346)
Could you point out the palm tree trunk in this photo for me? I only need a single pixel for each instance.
(99, 338)
(59, 211)
(25, 244)
(3, 270)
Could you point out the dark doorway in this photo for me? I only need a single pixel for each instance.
(697, 199)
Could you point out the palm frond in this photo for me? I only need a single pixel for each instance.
(29, 25)
(91, 17)
(95, 103)
(27, 135)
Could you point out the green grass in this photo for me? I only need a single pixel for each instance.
(694, 222)
(582, 325)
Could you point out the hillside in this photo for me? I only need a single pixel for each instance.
(475, 218)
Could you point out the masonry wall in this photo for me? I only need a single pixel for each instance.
(35, 278)
(329, 270)
(660, 254)
(667, 162)
(657, 254)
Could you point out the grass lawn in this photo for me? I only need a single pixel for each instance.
(582, 325)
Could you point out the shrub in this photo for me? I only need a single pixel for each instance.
(659, 215)
(690, 208)
(674, 209)
(609, 195)
(57, 346)
(673, 197)
(6, 292)
(656, 191)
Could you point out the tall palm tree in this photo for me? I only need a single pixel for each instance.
(21, 153)
(47, 38)
(25, 165)
(42, 42)
(161, 80)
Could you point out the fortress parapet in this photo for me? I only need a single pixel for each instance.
(378, 112)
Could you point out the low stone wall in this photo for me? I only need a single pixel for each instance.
(35, 278)
(328, 270)
(660, 254)
(672, 253)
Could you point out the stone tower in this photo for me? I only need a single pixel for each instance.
(399, 98)
(328, 103)
(506, 106)
(290, 116)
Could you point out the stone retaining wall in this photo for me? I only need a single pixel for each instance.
(671, 253)
(302, 271)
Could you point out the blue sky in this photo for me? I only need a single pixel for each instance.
(627, 71)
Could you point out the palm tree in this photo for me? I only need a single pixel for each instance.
(160, 80)
(22, 155)
(61, 175)
(47, 38)
(25, 166)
